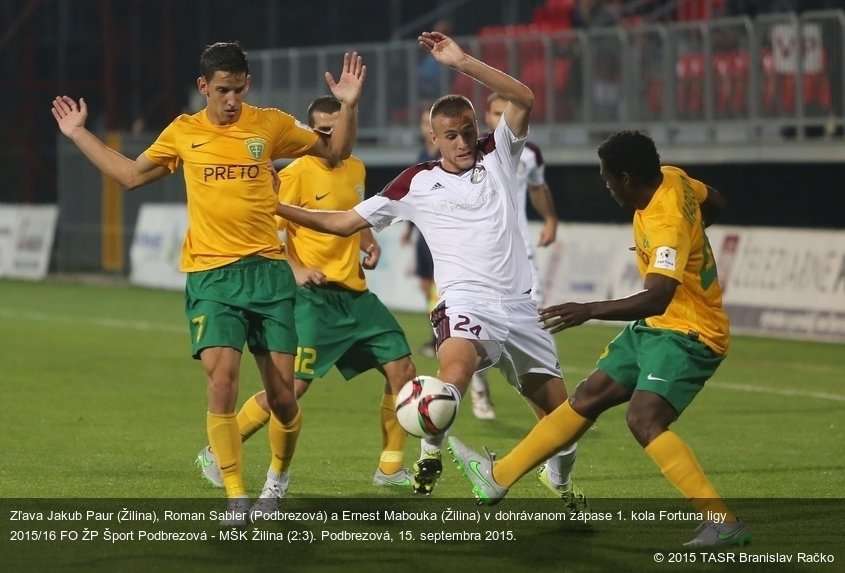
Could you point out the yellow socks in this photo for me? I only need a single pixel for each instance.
(677, 462)
(392, 437)
(225, 442)
(251, 418)
(283, 442)
(558, 430)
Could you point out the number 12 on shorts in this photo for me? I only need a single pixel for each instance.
(305, 358)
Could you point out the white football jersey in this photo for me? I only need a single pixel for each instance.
(469, 219)
(529, 173)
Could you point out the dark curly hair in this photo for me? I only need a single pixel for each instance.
(631, 152)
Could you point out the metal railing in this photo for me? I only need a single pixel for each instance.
(736, 79)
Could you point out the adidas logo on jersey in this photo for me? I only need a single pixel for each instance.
(437, 186)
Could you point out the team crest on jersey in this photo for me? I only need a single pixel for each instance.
(255, 146)
(478, 174)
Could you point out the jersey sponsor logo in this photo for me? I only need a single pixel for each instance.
(318, 197)
(195, 145)
(229, 172)
(664, 258)
(654, 378)
(478, 174)
(484, 196)
(255, 145)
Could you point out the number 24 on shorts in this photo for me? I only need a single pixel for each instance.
(464, 322)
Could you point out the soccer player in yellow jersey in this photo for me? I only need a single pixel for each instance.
(239, 289)
(339, 322)
(660, 361)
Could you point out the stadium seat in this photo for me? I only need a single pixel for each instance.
(690, 72)
(780, 89)
(722, 82)
(740, 66)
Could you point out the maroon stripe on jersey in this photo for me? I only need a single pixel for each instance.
(440, 324)
(487, 144)
(537, 153)
(400, 186)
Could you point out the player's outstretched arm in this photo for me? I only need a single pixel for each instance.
(71, 116)
(341, 223)
(519, 97)
(651, 301)
(347, 89)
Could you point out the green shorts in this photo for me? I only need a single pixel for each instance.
(661, 361)
(351, 330)
(249, 301)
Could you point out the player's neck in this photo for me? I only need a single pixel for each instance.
(329, 165)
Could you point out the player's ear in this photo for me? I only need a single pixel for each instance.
(246, 87)
(202, 86)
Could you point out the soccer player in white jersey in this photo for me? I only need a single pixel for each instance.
(530, 185)
(465, 206)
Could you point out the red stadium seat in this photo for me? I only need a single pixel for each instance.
(690, 73)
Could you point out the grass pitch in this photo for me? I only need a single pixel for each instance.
(100, 399)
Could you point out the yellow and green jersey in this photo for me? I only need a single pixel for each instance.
(308, 182)
(670, 240)
(230, 194)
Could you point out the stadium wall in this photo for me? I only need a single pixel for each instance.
(776, 282)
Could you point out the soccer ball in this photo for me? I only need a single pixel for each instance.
(425, 407)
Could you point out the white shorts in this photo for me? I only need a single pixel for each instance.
(506, 327)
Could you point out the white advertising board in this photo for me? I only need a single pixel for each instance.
(782, 282)
(156, 246)
(26, 240)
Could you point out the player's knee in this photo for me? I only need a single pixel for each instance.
(457, 373)
(643, 426)
(261, 398)
(407, 369)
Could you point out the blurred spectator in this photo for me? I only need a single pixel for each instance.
(605, 83)
(596, 13)
(754, 7)
(433, 80)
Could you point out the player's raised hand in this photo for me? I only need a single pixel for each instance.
(348, 87)
(444, 49)
(69, 114)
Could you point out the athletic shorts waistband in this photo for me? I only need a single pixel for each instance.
(486, 296)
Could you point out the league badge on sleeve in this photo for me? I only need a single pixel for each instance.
(664, 258)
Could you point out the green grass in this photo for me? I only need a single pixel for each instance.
(100, 399)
